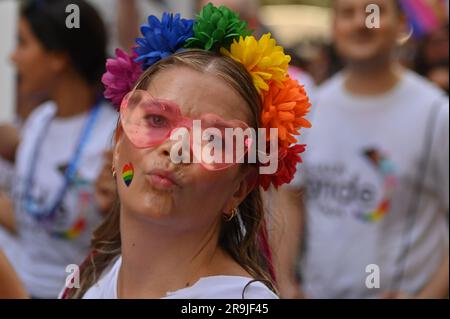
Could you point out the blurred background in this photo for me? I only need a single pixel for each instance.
(304, 26)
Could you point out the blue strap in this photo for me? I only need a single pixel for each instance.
(46, 213)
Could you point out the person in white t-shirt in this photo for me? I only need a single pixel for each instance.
(374, 220)
(62, 142)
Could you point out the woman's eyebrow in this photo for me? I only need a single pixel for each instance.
(167, 103)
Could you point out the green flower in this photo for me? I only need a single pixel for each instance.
(215, 28)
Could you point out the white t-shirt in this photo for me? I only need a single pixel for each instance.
(360, 174)
(6, 175)
(48, 248)
(212, 287)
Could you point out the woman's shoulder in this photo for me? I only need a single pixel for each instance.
(225, 287)
(106, 285)
(38, 116)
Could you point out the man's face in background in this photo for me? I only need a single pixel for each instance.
(358, 44)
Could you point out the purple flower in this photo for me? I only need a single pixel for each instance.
(162, 38)
(120, 77)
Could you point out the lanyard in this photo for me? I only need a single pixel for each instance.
(30, 205)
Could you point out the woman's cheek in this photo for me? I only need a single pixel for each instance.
(129, 167)
(214, 185)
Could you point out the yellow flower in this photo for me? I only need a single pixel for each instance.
(264, 59)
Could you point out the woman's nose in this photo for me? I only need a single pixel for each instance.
(165, 149)
(178, 146)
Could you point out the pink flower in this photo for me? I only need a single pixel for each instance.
(121, 75)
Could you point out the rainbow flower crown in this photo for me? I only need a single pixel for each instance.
(284, 101)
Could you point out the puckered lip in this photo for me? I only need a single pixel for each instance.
(165, 174)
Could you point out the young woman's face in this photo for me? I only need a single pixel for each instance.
(36, 67)
(184, 195)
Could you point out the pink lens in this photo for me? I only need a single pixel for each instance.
(223, 143)
(148, 121)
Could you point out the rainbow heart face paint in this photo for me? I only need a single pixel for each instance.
(127, 174)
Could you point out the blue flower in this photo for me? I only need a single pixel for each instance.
(162, 38)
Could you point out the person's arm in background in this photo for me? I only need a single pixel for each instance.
(438, 286)
(286, 239)
(10, 285)
(105, 186)
(7, 216)
(127, 23)
(9, 142)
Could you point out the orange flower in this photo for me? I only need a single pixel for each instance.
(285, 108)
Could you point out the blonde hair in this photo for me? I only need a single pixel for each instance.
(238, 237)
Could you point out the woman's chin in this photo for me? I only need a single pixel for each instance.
(155, 206)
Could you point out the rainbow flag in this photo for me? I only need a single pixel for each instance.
(425, 16)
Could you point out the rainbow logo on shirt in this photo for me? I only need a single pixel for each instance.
(387, 171)
(74, 231)
(85, 199)
(127, 174)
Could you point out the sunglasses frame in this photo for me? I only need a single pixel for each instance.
(181, 121)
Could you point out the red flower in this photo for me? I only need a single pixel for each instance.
(287, 162)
